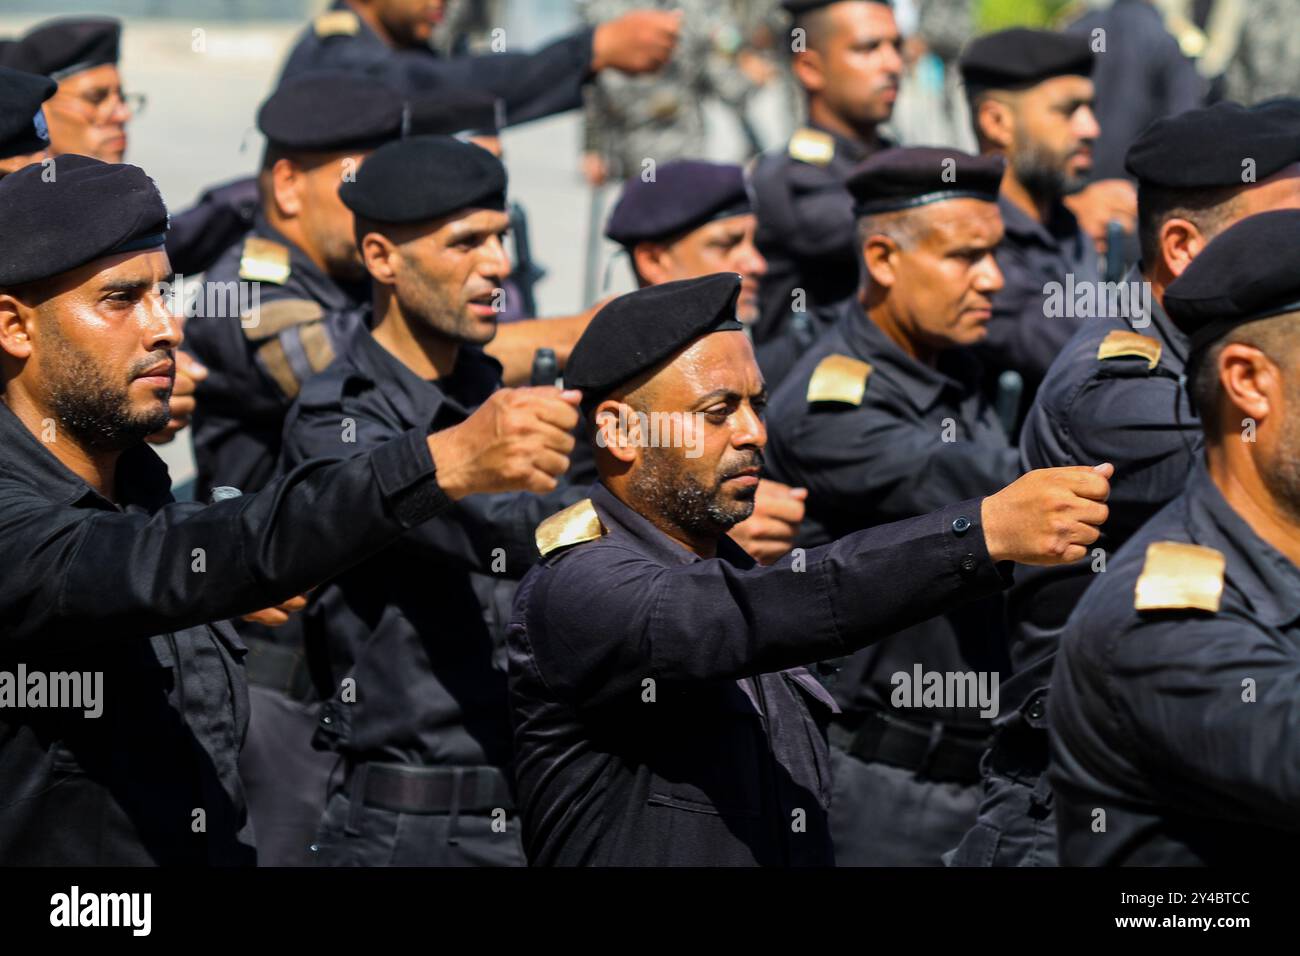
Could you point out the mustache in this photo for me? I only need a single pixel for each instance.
(751, 460)
(152, 361)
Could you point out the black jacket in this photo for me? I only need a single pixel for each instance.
(1179, 725)
(140, 591)
(531, 85)
(728, 764)
(409, 625)
(259, 357)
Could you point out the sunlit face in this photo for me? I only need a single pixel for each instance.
(409, 22)
(944, 282)
(862, 62)
(449, 275)
(705, 482)
(88, 115)
(1055, 128)
(100, 350)
(724, 245)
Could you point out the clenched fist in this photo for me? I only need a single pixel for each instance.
(1049, 516)
(641, 41)
(518, 440)
(769, 532)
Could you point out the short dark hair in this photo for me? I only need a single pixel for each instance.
(1209, 209)
(1274, 336)
(816, 26)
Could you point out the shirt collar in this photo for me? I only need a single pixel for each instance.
(621, 519)
(1161, 324)
(1060, 228)
(141, 478)
(418, 401)
(924, 386)
(1267, 578)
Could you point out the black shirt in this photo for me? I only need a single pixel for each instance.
(408, 624)
(258, 362)
(727, 765)
(139, 591)
(921, 438)
(1021, 337)
(531, 85)
(1179, 725)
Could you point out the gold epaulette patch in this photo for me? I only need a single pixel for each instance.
(264, 260)
(268, 321)
(839, 378)
(574, 525)
(1118, 343)
(812, 146)
(1178, 576)
(337, 23)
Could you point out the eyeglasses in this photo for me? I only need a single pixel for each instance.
(102, 103)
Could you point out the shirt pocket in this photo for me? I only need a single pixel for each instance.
(711, 755)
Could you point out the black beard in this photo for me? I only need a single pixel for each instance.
(1043, 175)
(92, 409)
(686, 503)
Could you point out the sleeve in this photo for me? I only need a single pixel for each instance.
(89, 574)
(1183, 700)
(602, 619)
(1126, 421)
(532, 85)
(871, 461)
(469, 532)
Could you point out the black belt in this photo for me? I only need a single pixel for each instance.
(276, 667)
(402, 788)
(932, 749)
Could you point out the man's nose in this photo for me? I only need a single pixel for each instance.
(752, 263)
(163, 330)
(1086, 126)
(750, 430)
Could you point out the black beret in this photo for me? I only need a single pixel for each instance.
(1245, 273)
(639, 330)
(60, 215)
(1204, 148)
(686, 193)
(22, 124)
(60, 48)
(331, 111)
(799, 7)
(1021, 57)
(450, 111)
(425, 177)
(901, 178)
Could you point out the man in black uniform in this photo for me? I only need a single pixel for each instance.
(1116, 391)
(1030, 99)
(418, 709)
(269, 316)
(848, 62)
(113, 592)
(389, 40)
(1173, 699)
(661, 713)
(24, 137)
(884, 419)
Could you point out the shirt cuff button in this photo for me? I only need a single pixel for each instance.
(961, 525)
